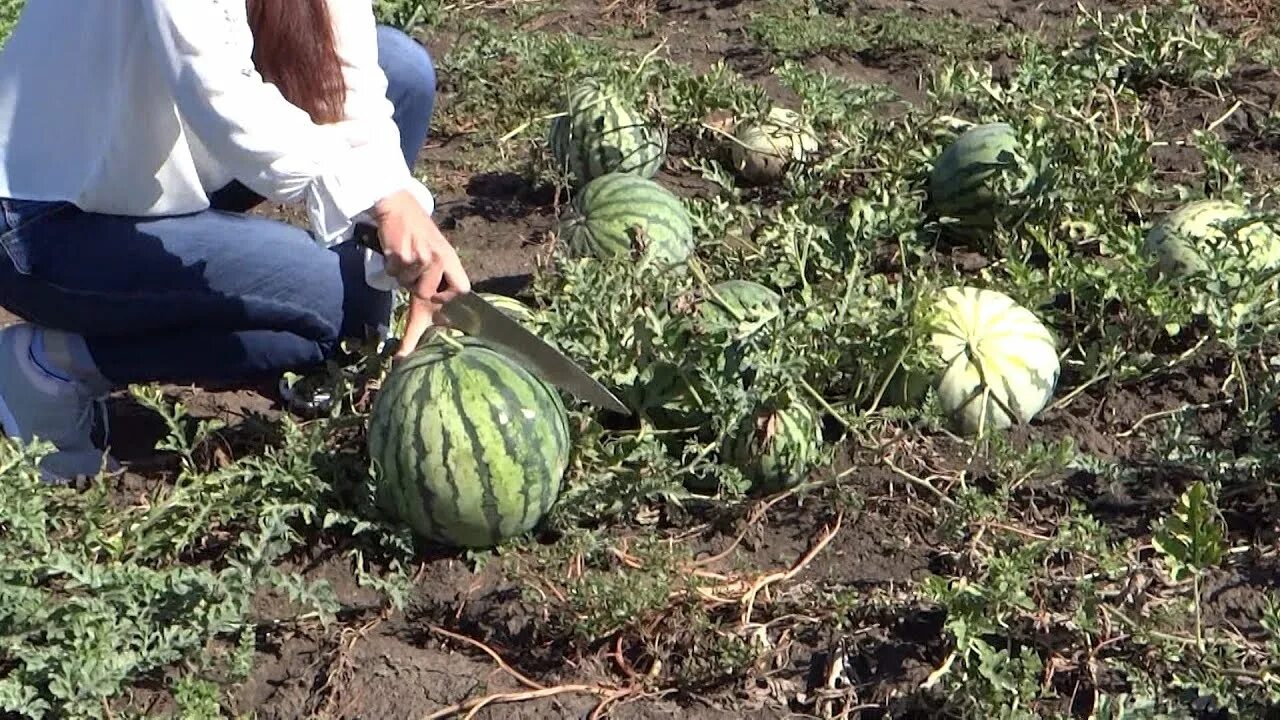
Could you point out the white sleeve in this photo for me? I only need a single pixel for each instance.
(368, 114)
(269, 144)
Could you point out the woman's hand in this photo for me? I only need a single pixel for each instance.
(419, 257)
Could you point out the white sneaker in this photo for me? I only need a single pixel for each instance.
(35, 404)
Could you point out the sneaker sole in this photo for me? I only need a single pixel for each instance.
(9, 425)
(8, 422)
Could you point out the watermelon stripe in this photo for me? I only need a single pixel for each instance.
(563, 442)
(511, 447)
(387, 436)
(451, 446)
(426, 403)
(487, 463)
(630, 206)
(382, 437)
(405, 498)
(547, 486)
(1011, 396)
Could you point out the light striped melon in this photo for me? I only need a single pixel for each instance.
(776, 447)
(1194, 236)
(762, 151)
(623, 215)
(468, 448)
(601, 134)
(1000, 362)
(982, 178)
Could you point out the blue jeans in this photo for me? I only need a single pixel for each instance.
(211, 297)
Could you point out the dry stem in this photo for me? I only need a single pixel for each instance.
(474, 705)
(537, 690)
(519, 677)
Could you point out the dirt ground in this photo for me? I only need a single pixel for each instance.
(396, 667)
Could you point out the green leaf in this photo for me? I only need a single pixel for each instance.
(1192, 536)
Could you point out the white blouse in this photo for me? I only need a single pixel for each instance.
(143, 107)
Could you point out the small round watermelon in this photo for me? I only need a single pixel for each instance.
(623, 215)
(600, 134)
(509, 306)
(776, 447)
(762, 151)
(1000, 363)
(513, 308)
(468, 448)
(1189, 239)
(905, 387)
(671, 400)
(737, 306)
(982, 178)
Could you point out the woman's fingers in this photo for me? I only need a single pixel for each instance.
(422, 260)
(427, 285)
(453, 271)
(418, 322)
(455, 278)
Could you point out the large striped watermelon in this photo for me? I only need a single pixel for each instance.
(776, 447)
(762, 151)
(600, 134)
(623, 215)
(1195, 235)
(1000, 363)
(981, 178)
(468, 448)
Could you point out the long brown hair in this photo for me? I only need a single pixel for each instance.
(294, 48)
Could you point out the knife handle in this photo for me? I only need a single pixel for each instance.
(366, 235)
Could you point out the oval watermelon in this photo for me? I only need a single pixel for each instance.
(468, 448)
(1000, 363)
(763, 150)
(600, 134)
(1189, 239)
(982, 178)
(622, 215)
(738, 306)
(776, 447)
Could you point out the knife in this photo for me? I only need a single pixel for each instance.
(475, 316)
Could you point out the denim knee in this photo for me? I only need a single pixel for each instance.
(411, 73)
(411, 87)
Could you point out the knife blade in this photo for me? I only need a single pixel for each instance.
(475, 316)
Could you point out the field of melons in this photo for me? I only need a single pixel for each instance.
(950, 330)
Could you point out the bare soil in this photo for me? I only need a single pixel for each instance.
(395, 666)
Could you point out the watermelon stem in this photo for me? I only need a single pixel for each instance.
(919, 482)
(525, 125)
(822, 402)
(647, 57)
